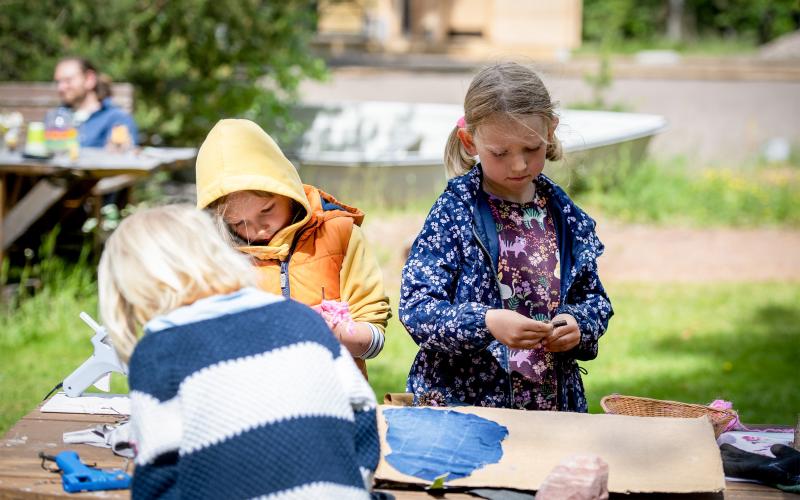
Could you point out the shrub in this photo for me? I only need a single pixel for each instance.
(191, 62)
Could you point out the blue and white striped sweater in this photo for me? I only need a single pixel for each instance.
(249, 395)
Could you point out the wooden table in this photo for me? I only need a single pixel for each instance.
(62, 180)
(21, 475)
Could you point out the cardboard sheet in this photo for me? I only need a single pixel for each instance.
(666, 455)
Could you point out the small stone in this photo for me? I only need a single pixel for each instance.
(578, 477)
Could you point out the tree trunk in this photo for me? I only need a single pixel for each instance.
(675, 20)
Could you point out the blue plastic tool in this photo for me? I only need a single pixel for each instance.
(77, 476)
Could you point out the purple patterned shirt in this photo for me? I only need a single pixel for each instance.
(528, 268)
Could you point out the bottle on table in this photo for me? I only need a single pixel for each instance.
(60, 132)
(35, 144)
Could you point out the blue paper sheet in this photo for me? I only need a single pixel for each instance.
(427, 443)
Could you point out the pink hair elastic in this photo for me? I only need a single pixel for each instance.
(461, 123)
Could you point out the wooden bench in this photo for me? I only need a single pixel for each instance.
(34, 99)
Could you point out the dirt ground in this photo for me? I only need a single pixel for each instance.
(637, 253)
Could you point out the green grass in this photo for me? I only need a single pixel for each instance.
(687, 343)
(692, 343)
(673, 192)
(738, 342)
(669, 192)
(43, 340)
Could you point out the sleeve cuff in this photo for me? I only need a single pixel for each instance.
(376, 343)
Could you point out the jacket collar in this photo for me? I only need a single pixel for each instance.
(577, 242)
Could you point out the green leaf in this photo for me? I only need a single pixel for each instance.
(438, 482)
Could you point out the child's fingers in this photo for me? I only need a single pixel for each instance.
(560, 332)
(536, 335)
(524, 340)
(531, 325)
(527, 344)
(564, 340)
(541, 328)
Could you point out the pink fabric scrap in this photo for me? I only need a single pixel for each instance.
(736, 424)
(335, 313)
(461, 123)
(721, 404)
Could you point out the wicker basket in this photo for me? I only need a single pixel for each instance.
(645, 407)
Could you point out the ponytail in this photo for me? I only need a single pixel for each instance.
(456, 159)
(554, 150)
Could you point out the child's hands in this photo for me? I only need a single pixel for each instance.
(563, 338)
(515, 330)
(357, 337)
(327, 316)
(336, 315)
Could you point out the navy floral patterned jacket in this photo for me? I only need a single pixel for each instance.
(449, 282)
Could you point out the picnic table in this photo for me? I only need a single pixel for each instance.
(30, 189)
(21, 474)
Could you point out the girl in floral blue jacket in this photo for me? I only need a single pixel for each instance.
(500, 290)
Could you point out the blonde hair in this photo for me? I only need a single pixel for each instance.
(508, 88)
(159, 259)
(218, 208)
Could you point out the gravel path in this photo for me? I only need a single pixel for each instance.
(642, 253)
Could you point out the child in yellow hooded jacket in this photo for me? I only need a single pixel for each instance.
(305, 244)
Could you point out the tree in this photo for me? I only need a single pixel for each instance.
(610, 21)
(191, 62)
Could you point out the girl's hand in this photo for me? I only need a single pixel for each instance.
(563, 338)
(355, 336)
(327, 316)
(515, 330)
(334, 313)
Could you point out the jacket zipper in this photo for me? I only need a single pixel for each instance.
(285, 287)
(285, 291)
(497, 282)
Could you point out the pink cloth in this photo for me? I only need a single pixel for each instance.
(721, 404)
(461, 123)
(335, 313)
(735, 424)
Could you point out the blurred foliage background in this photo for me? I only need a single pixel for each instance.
(189, 61)
(681, 21)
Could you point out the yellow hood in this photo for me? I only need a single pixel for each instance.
(238, 155)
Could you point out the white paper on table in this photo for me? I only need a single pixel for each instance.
(91, 404)
(755, 442)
